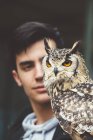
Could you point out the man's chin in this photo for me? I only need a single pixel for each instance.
(45, 102)
(45, 98)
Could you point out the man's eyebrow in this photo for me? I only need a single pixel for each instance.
(25, 63)
(42, 58)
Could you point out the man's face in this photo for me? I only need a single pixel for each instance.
(29, 72)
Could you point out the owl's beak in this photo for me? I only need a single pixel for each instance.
(56, 71)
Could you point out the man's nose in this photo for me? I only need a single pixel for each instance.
(39, 72)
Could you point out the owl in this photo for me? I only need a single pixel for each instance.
(70, 88)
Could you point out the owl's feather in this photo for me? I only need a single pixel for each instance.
(83, 88)
(70, 88)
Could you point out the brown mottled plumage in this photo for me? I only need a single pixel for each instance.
(70, 88)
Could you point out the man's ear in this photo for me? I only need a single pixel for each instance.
(16, 78)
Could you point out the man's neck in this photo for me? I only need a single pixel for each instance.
(43, 112)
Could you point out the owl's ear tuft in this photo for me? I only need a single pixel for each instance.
(76, 47)
(47, 47)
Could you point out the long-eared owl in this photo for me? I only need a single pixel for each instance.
(70, 88)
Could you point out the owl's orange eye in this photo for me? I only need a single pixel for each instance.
(48, 64)
(67, 63)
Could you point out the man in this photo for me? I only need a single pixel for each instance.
(27, 52)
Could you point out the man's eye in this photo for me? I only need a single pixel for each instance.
(27, 67)
(67, 63)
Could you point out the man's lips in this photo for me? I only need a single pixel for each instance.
(40, 88)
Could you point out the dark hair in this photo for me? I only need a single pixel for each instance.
(30, 32)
